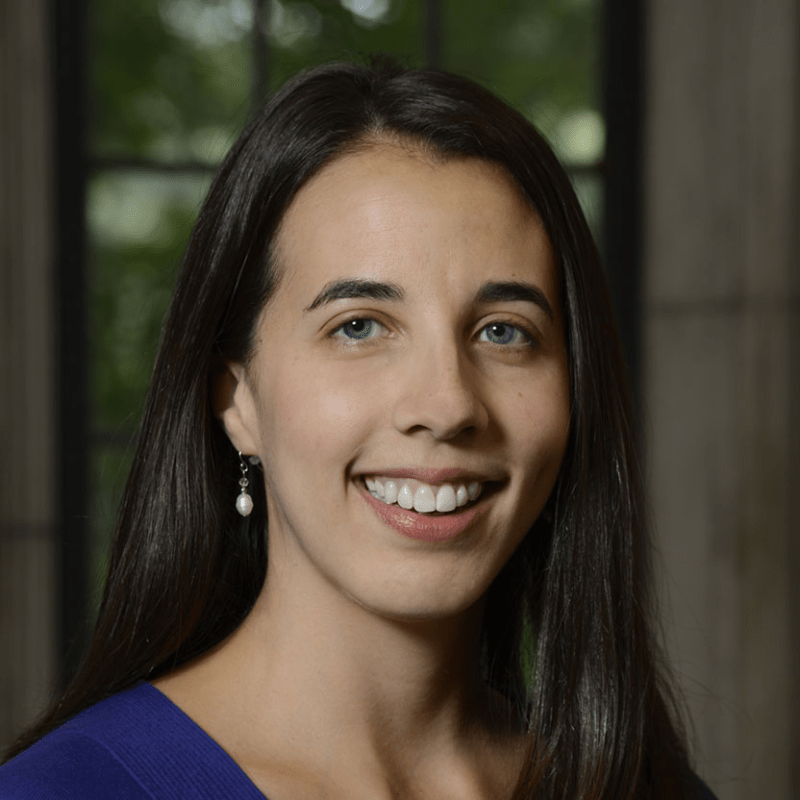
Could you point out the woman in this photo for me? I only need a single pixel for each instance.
(383, 534)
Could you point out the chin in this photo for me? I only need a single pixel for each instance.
(425, 601)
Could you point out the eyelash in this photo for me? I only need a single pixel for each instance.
(519, 333)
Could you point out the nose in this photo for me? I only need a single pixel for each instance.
(440, 393)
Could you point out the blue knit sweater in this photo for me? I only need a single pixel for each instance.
(136, 745)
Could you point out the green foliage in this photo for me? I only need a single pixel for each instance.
(157, 92)
(308, 33)
(173, 79)
(139, 226)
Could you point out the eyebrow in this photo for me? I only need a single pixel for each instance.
(491, 292)
(350, 288)
(513, 291)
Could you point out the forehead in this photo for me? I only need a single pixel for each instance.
(393, 207)
(387, 172)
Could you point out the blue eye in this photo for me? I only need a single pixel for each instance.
(503, 333)
(358, 329)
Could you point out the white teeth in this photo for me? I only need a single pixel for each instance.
(422, 497)
(390, 491)
(405, 497)
(424, 500)
(446, 498)
(376, 487)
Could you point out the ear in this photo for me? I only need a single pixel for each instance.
(235, 407)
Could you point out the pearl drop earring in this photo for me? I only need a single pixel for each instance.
(244, 503)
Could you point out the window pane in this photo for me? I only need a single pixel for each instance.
(544, 51)
(139, 224)
(306, 33)
(541, 57)
(170, 79)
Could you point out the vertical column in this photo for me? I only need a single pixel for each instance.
(27, 486)
(721, 358)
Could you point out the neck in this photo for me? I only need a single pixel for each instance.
(313, 678)
(328, 652)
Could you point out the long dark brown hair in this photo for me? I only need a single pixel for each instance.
(567, 628)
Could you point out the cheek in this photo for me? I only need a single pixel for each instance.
(317, 413)
(538, 425)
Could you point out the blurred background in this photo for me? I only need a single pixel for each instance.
(679, 123)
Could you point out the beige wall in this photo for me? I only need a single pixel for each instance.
(721, 359)
(26, 368)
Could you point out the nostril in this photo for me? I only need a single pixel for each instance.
(440, 399)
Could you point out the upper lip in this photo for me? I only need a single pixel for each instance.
(430, 474)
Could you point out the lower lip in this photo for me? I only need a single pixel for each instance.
(421, 527)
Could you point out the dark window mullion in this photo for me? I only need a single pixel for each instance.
(623, 100)
(72, 462)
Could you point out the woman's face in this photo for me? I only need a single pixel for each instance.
(412, 354)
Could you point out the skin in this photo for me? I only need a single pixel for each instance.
(355, 674)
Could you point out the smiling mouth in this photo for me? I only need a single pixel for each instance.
(424, 498)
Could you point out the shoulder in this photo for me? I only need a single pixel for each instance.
(79, 759)
(67, 765)
(135, 745)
